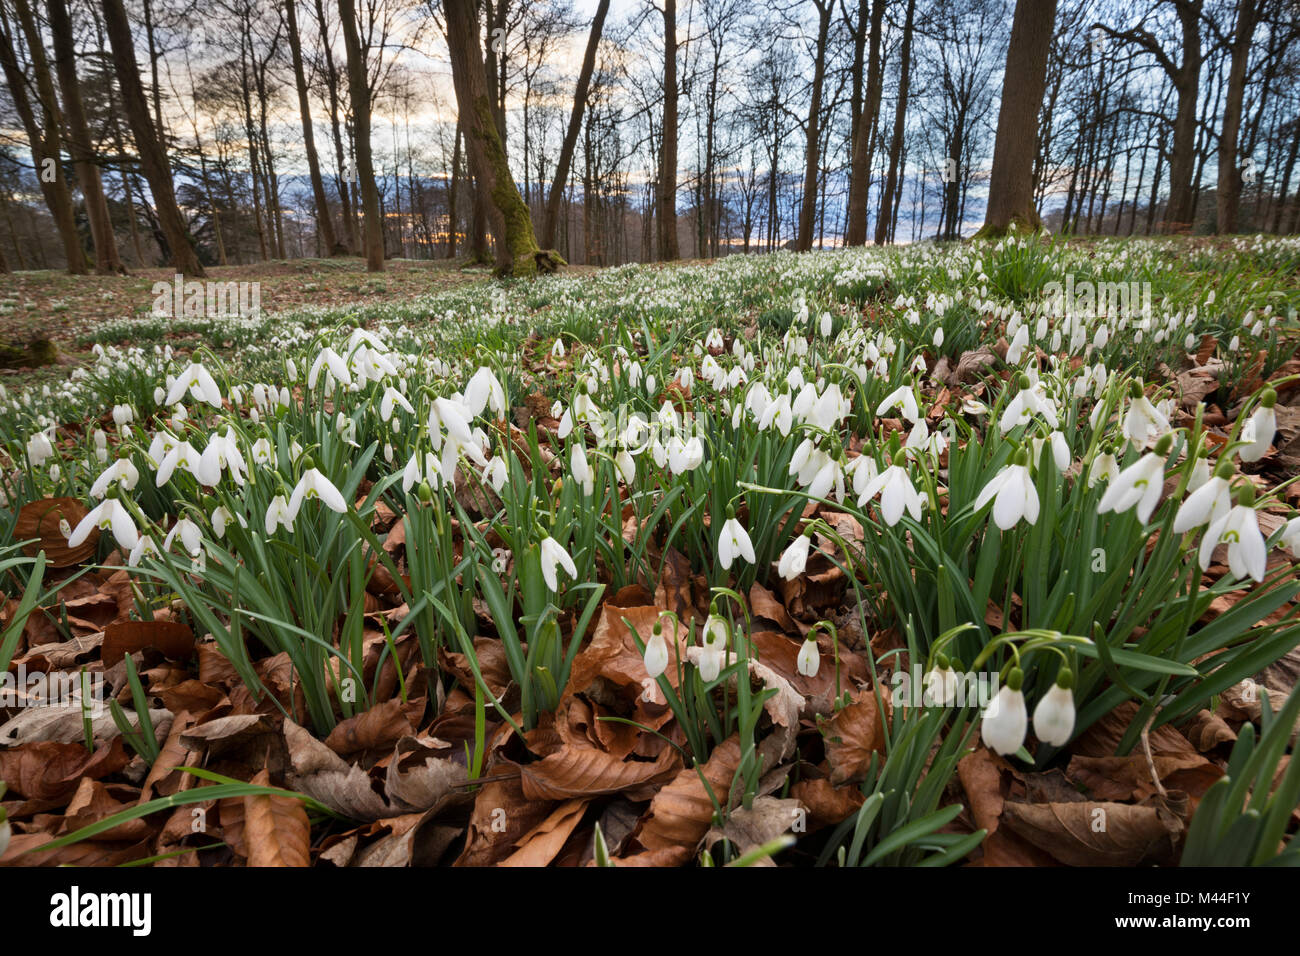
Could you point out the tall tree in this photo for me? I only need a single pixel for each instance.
(1011, 184)
(324, 225)
(43, 133)
(359, 90)
(153, 157)
(80, 146)
(553, 201)
(517, 252)
(812, 157)
(666, 213)
(889, 201)
(855, 233)
(1228, 194)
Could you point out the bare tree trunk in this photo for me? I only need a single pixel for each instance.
(855, 233)
(79, 142)
(1011, 185)
(451, 196)
(359, 90)
(1229, 189)
(512, 226)
(889, 202)
(323, 222)
(667, 198)
(556, 197)
(42, 135)
(812, 158)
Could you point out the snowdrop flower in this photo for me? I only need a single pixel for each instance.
(313, 484)
(221, 517)
(328, 358)
(557, 350)
(713, 648)
(1029, 401)
(1143, 423)
(1208, 503)
(896, 493)
(109, 515)
(39, 449)
(391, 398)
(795, 557)
(1060, 451)
(1013, 494)
(183, 455)
(684, 456)
(1259, 428)
(1139, 484)
(123, 415)
(809, 659)
(144, 547)
(656, 652)
(1006, 718)
(454, 417)
(553, 555)
(264, 453)
(1103, 466)
(279, 514)
(582, 472)
(121, 471)
(190, 534)
(778, 413)
(496, 474)
(484, 391)
(223, 454)
(941, 683)
(1291, 537)
(904, 399)
(198, 381)
(101, 445)
(1239, 530)
(1054, 715)
(1019, 342)
(733, 542)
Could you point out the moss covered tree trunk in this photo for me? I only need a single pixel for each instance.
(517, 252)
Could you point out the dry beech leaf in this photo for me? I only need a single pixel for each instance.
(323, 775)
(582, 772)
(827, 804)
(378, 728)
(276, 831)
(852, 736)
(543, 843)
(748, 829)
(170, 638)
(1097, 834)
(681, 813)
(40, 519)
(53, 771)
(502, 816)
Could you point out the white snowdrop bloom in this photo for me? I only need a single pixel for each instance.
(896, 493)
(686, 377)
(553, 556)
(392, 398)
(223, 454)
(862, 469)
(1139, 484)
(198, 381)
(829, 408)
(804, 401)
(1019, 342)
(1291, 537)
(451, 415)
(329, 359)
(1204, 506)
(108, 515)
(1103, 466)
(733, 542)
(634, 375)
(121, 471)
(280, 515)
(1030, 400)
(123, 415)
(656, 653)
(495, 473)
(1258, 430)
(1013, 495)
(39, 449)
(626, 465)
(1143, 423)
(484, 391)
(940, 684)
(1006, 719)
(684, 456)
(264, 453)
(557, 350)
(313, 484)
(795, 557)
(1239, 530)
(904, 399)
(809, 659)
(1060, 451)
(144, 547)
(778, 414)
(713, 648)
(190, 534)
(182, 455)
(582, 472)
(1054, 715)
(222, 517)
